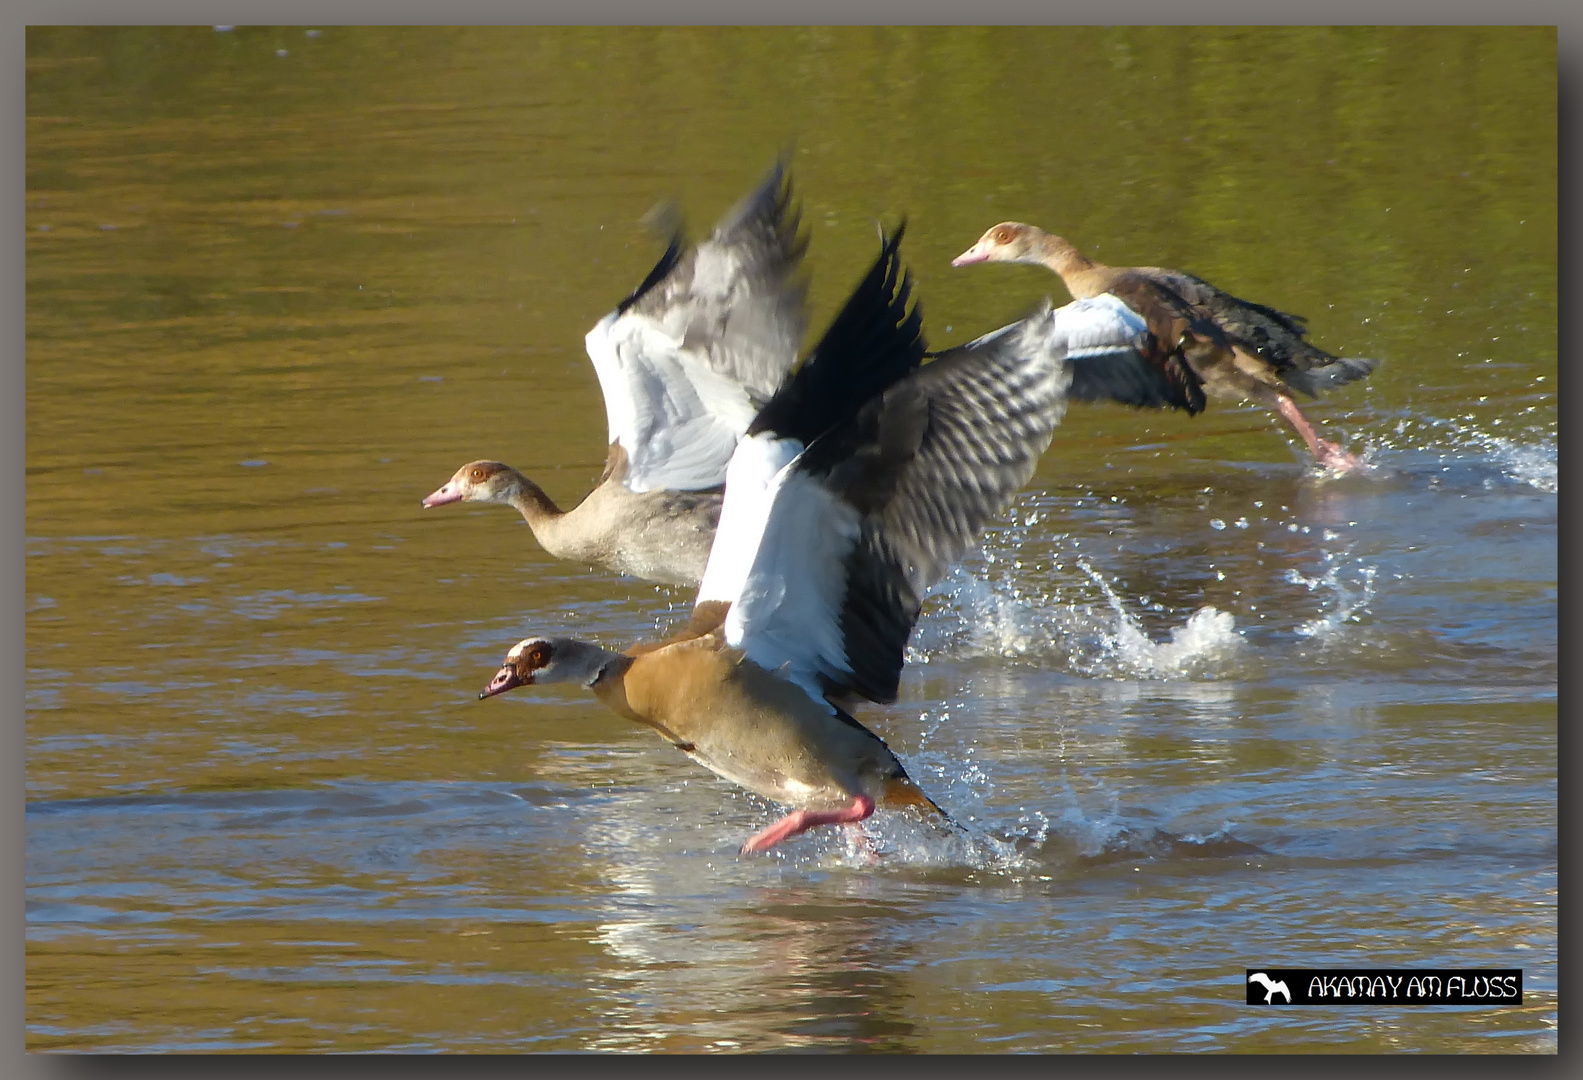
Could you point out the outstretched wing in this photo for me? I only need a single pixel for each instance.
(1111, 355)
(739, 299)
(873, 342)
(876, 509)
(1278, 337)
(686, 362)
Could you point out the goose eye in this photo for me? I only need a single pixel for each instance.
(1002, 236)
(478, 474)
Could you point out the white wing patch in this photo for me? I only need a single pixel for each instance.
(751, 482)
(779, 561)
(1094, 327)
(787, 617)
(612, 384)
(677, 418)
(1097, 326)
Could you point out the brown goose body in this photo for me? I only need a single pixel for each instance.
(730, 715)
(854, 490)
(1231, 348)
(683, 364)
(661, 535)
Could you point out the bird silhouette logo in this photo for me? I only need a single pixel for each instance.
(1271, 987)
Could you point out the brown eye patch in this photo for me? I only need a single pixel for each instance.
(478, 474)
(1002, 236)
(538, 656)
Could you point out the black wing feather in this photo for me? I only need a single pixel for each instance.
(662, 269)
(927, 465)
(1278, 337)
(873, 342)
(1125, 377)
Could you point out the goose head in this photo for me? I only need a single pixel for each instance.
(548, 660)
(479, 481)
(1010, 241)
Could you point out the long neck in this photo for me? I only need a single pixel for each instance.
(1060, 256)
(581, 533)
(588, 664)
(608, 682)
(536, 508)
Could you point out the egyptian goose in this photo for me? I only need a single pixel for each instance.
(1204, 339)
(856, 487)
(684, 364)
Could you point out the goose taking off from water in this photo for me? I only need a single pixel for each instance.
(684, 365)
(1203, 339)
(855, 489)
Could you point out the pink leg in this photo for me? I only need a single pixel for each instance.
(1325, 452)
(800, 821)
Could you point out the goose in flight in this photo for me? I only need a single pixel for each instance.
(856, 487)
(1202, 339)
(684, 365)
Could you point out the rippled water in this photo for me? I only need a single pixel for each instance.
(1194, 705)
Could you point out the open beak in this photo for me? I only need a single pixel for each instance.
(450, 493)
(505, 679)
(970, 256)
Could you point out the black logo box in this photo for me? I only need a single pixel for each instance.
(1385, 986)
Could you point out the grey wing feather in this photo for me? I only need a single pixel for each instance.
(739, 298)
(991, 412)
(927, 466)
(1278, 337)
(1103, 342)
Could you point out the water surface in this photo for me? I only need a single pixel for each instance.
(1197, 706)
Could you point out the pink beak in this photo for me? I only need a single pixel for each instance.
(505, 679)
(970, 256)
(449, 493)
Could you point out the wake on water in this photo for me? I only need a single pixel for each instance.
(1028, 598)
(1012, 602)
(1528, 457)
(990, 614)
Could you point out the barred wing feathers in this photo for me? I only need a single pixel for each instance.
(872, 342)
(687, 361)
(904, 488)
(1278, 337)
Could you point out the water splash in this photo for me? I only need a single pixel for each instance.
(1026, 843)
(1529, 456)
(1012, 618)
(1534, 464)
(903, 841)
(1348, 600)
(1207, 640)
